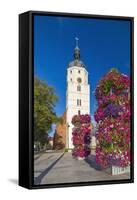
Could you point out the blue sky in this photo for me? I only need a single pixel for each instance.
(103, 44)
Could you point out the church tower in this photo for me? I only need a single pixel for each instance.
(77, 94)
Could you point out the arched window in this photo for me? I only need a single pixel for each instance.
(79, 80)
(79, 88)
(78, 112)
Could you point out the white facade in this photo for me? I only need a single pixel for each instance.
(77, 97)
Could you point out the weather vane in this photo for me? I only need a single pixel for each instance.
(77, 39)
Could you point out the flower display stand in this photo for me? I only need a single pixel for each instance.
(81, 136)
(115, 170)
(113, 122)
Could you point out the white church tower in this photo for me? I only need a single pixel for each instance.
(77, 94)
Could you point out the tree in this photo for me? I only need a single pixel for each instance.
(44, 114)
(58, 142)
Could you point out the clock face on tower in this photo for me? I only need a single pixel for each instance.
(79, 80)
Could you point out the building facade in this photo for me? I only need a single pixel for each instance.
(77, 94)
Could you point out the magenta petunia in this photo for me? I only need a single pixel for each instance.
(81, 135)
(113, 118)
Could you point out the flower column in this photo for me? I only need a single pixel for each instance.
(81, 136)
(113, 118)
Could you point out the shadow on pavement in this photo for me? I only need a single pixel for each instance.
(36, 158)
(92, 162)
(38, 179)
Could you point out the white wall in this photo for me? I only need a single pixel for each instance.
(9, 94)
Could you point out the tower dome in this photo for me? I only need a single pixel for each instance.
(76, 62)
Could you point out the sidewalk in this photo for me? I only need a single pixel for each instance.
(62, 168)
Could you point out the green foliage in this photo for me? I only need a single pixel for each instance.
(114, 70)
(44, 115)
(108, 86)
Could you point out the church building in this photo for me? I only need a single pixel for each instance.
(77, 94)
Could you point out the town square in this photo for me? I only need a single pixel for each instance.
(54, 168)
(81, 100)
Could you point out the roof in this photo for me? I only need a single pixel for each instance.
(77, 63)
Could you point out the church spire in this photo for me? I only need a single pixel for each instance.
(76, 62)
(77, 39)
(77, 50)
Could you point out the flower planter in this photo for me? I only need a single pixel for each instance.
(81, 136)
(113, 122)
(115, 170)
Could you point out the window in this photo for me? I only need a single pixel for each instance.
(78, 112)
(79, 88)
(71, 79)
(79, 71)
(79, 80)
(71, 72)
(78, 102)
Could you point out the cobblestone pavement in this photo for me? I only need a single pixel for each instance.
(52, 168)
